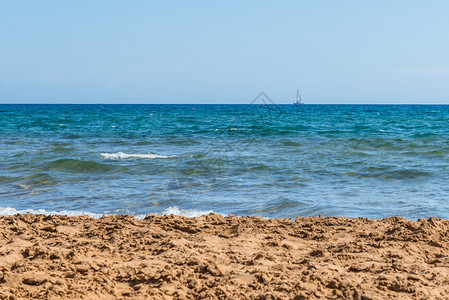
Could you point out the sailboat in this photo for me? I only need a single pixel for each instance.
(298, 100)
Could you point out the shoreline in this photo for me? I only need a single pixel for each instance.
(163, 257)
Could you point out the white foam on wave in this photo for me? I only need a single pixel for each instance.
(9, 211)
(121, 155)
(190, 213)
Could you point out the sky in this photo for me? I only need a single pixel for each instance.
(163, 51)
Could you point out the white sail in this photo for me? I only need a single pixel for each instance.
(298, 98)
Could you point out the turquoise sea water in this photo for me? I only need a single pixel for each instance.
(265, 160)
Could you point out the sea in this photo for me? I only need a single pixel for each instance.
(263, 160)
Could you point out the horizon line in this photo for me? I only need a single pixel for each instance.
(274, 103)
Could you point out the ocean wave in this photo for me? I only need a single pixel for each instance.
(189, 213)
(121, 155)
(391, 174)
(37, 180)
(9, 211)
(80, 166)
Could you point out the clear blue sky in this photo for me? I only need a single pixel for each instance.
(393, 51)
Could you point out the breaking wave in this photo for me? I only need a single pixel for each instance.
(189, 213)
(121, 155)
(9, 211)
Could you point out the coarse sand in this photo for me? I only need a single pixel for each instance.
(215, 257)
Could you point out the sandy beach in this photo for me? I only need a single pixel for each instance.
(215, 257)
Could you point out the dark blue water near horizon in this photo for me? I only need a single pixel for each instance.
(260, 160)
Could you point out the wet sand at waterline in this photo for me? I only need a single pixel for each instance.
(215, 257)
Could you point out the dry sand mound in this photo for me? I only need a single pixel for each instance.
(227, 258)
